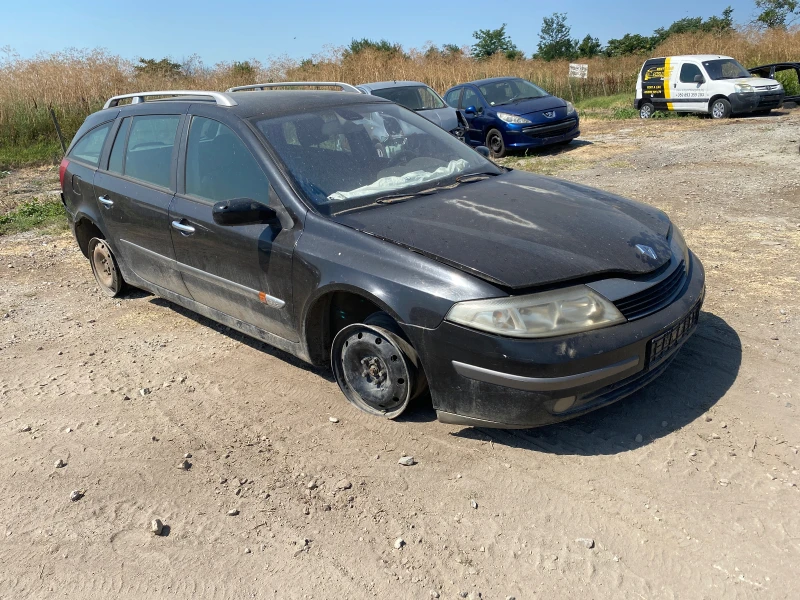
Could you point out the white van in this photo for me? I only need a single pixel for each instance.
(703, 83)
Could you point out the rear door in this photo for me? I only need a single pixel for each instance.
(135, 189)
(243, 271)
(689, 95)
(84, 158)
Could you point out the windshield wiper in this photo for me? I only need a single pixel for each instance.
(402, 197)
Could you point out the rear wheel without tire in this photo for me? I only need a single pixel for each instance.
(720, 109)
(375, 366)
(495, 143)
(646, 110)
(105, 269)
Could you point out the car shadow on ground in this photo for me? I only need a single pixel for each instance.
(237, 336)
(701, 374)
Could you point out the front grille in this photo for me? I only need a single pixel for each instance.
(550, 130)
(767, 87)
(653, 298)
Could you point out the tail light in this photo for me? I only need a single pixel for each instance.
(61, 171)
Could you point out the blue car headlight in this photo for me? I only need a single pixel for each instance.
(570, 108)
(513, 119)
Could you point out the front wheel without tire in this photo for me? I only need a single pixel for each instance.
(105, 268)
(495, 143)
(720, 109)
(375, 367)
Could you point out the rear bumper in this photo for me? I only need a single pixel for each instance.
(490, 381)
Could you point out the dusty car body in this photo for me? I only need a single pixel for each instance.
(516, 300)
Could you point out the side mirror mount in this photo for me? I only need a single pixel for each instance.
(470, 110)
(699, 78)
(242, 211)
(483, 151)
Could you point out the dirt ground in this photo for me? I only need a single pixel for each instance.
(704, 505)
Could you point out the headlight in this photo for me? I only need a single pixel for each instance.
(509, 118)
(570, 108)
(676, 235)
(743, 88)
(546, 314)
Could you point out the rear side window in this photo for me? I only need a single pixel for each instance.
(220, 167)
(90, 146)
(115, 163)
(452, 98)
(688, 72)
(148, 153)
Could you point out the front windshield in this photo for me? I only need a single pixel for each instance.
(415, 97)
(507, 91)
(348, 157)
(725, 68)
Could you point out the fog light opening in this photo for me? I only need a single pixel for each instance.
(564, 404)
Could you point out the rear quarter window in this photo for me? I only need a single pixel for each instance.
(90, 146)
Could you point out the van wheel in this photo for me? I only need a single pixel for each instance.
(105, 269)
(495, 143)
(376, 367)
(646, 110)
(720, 109)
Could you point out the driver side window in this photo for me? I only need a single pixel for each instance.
(220, 167)
(688, 73)
(470, 98)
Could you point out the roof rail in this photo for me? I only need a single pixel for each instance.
(346, 87)
(139, 97)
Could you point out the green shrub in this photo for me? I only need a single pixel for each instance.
(36, 214)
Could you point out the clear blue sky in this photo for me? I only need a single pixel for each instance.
(226, 31)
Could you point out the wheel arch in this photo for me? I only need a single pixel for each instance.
(713, 99)
(87, 228)
(320, 322)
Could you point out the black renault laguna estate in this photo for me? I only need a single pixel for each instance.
(343, 228)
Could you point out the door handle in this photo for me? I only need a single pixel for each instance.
(106, 201)
(185, 229)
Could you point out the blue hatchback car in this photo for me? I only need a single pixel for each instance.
(506, 113)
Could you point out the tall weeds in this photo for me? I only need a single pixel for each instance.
(77, 82)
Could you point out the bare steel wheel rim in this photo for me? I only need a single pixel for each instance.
(495, 143)
(103, 265)
(718, 110)
(372, 370)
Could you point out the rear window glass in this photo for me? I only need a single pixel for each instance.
(416, 97)
(148, 154)
(90, 146)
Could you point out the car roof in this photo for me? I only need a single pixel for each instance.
(491, 80)
(382, 85)
(700, 57)
(273, 103)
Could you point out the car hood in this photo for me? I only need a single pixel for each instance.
(533, 105)
(754, 81)
(519, 230)
(444, 117)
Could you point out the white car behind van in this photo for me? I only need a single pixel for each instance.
(703, 83)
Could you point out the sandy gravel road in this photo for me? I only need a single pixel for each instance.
(706, 505)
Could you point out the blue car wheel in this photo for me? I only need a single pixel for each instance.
(495, 143)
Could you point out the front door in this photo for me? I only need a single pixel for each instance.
(243, 271)
(689, 88)
(475, 120)
(135, 190)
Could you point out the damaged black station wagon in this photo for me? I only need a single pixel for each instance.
(343, 228)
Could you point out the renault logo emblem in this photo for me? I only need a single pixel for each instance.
(550, 114)
(647, 251)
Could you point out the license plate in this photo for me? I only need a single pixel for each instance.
(663, 344)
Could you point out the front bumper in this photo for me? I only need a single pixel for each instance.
(486, 380)
(542, 134)
(763, 100)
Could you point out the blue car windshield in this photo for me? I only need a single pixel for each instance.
(353, 156)
(507, 91)
(415, 97)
